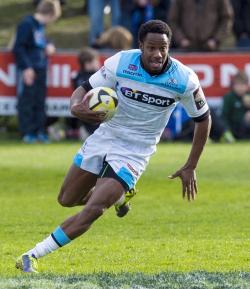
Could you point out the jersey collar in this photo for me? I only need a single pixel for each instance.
(165, 67)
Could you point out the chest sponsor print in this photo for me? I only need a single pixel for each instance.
(148, 98)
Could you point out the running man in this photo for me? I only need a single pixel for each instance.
(149, 84)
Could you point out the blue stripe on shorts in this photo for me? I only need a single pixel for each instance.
(126, 175)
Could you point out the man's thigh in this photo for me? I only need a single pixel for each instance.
(76, 186)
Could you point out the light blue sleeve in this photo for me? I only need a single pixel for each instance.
(106, 75)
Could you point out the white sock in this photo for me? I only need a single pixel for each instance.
(43, 248)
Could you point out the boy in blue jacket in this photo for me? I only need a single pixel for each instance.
(31, 51)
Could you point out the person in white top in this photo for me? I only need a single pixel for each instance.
(149, 84)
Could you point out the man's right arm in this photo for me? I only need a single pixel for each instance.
(80, 109)
(105, 76)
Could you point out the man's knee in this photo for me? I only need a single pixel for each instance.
(63, 200)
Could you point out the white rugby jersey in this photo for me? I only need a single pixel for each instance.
(145, 102)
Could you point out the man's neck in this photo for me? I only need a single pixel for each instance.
(165, 67)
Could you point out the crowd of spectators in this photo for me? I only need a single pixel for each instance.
(197, 25)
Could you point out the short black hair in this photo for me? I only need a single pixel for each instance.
(154, 26)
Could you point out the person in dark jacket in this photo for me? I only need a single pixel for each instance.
(241, 25)
(200, 24)
(236, 107)
(31, 50)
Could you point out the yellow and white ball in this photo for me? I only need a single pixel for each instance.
(103, 99)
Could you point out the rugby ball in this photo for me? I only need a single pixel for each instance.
(103, 99)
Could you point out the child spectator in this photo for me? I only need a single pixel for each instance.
(116, 37)
(236, 107)
(31, 51)
(88, 60)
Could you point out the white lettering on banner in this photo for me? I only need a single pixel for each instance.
(66, 75)
(208, 72)
(56, 106)
(8, 77)
(7, 106)
(247, 70)
(227, 70)
(54, 75)
(59, 75)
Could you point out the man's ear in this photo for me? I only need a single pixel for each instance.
(141, 45)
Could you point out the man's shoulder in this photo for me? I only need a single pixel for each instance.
(180, 75)
(181, 67)
(127, 55)
(123, 59)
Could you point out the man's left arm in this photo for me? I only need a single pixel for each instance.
(187, 172)
(194, 102)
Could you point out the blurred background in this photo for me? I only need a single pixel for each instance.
(212, 37)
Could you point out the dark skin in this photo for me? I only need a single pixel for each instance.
(82, 187)
(155, 48)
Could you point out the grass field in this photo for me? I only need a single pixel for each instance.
(70, 31)
(164, 242)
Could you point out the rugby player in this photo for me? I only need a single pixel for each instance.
(149, 84)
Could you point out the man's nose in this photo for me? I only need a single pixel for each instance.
(157, 54)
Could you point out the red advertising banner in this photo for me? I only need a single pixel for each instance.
(215, 71)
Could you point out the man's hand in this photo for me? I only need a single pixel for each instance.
(29, 76)
(189, 183)
(81, 110)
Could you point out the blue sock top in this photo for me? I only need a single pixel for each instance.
(60, 237)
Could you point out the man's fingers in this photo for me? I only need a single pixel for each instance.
(192, 189)
(189, 191)
(184, 190)
(195, 186)
(87, 98)
(175, 175)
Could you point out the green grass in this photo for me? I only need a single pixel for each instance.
(164, 242)
(70, 31)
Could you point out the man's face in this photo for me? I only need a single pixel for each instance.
(154, 49)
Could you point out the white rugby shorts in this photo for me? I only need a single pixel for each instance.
(126, 158)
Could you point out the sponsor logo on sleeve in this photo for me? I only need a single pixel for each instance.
(199, 98)
(144, 97)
